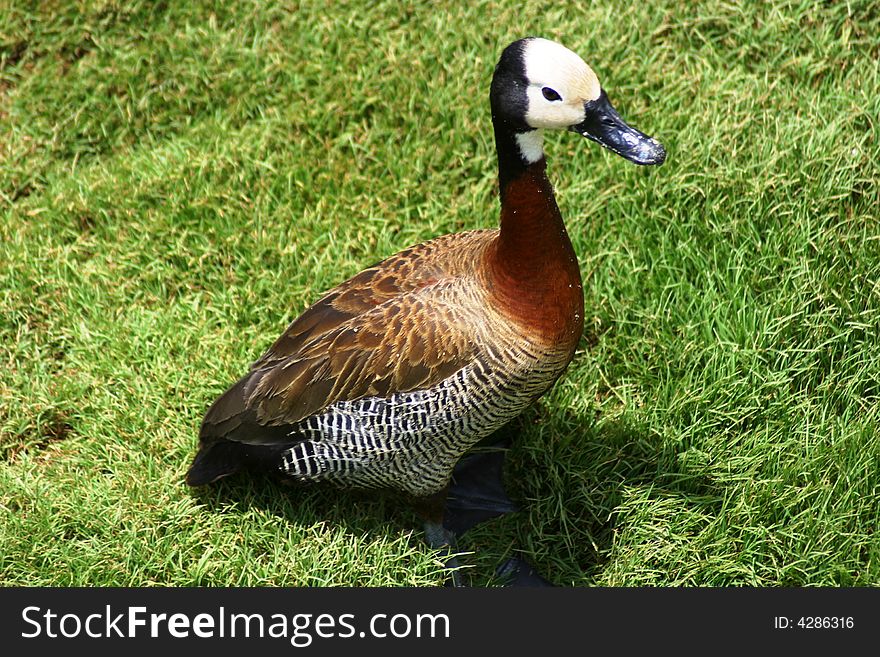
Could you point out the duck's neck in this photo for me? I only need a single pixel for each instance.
(533, 267)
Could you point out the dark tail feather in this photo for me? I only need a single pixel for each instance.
(222, 458)
(215, 461)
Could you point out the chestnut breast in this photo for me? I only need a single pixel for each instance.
(531, 270)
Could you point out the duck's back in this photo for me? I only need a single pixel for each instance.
(388, 379)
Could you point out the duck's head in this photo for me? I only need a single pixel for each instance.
(541, 85)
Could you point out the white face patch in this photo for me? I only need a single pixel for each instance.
(560, 82)
(531, 145)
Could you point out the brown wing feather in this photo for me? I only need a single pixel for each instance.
(402, 325)
(368, 355)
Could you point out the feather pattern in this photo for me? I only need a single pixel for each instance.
(411, 441)
(404, 324)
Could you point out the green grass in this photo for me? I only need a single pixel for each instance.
(180, 180)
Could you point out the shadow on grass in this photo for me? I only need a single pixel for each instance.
(570, 473)
(567, 472)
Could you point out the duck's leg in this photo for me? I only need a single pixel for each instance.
(477, 494)
(438, 536)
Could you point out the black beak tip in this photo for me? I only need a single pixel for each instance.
(635, 147)
(650, 152)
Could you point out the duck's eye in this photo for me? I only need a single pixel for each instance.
(550, 94)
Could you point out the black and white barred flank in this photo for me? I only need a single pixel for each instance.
(411, 441)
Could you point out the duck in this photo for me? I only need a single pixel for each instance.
(390, 379)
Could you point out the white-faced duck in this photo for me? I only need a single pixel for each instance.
(392, 376)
